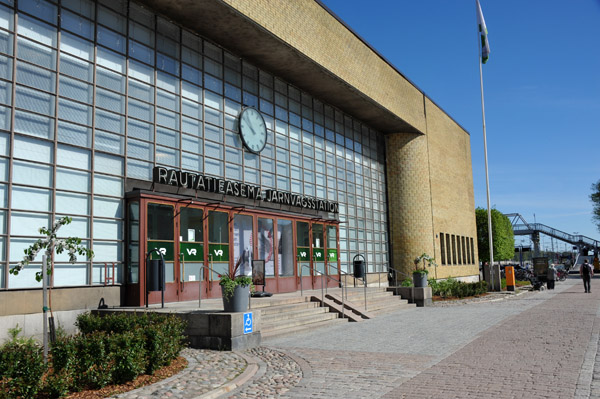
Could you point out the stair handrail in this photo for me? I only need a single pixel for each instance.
(347, 274)
(209, 268)
(396, 271)
(322, 295)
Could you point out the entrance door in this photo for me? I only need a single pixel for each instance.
(191, 253)
(332, 261)
(286, 258)
(243, 244)
(218, 249)
(160, 228)
(303, 261)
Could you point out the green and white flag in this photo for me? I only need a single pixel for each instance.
(485, 45)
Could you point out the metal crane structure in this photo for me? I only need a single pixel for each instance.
(522, 228)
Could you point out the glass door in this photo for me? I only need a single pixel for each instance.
(318, 254)
(160, 225)
(191, 253)
(266, 252)
(218, 249)
(333, 266)
(303, 255)
(243, 244)
(286, 282)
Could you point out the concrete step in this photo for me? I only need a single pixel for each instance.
(297, 322)
(356, 296)
(267, 335)
(275, 309)
(274, 318)
(391, 307)
(257, 303)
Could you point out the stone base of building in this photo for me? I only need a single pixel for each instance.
(421, 296)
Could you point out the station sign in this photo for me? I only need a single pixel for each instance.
(211, 184)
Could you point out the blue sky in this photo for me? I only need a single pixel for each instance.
(541, 84)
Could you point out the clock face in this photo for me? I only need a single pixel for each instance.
(253, 130)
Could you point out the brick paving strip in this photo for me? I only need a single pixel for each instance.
(547, 351)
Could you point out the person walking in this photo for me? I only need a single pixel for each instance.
(551, 276)
(586, 272)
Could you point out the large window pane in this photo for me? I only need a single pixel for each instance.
(108, 229)
(160, 222)
(73, 180)
(31, 148)
(108, 207)
(32, 174)
(285, 247)
(31, 199)
(27, 224)
(72, 204)
(70, 274)
(107, 185)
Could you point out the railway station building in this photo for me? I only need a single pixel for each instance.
(220, 132)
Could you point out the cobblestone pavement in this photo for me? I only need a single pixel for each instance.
(207, 371)
(534, 345)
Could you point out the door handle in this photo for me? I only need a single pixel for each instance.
(182, 271)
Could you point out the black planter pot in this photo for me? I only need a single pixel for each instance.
(238, 302)
(420, 279)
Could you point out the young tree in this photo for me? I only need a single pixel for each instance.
(595, 198)
(50, 243)
(502, 234)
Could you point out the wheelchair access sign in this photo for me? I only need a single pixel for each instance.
(248, 327)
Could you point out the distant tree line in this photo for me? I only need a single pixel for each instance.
(502, 235)
(595, 198)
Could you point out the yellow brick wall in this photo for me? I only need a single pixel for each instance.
(451, 177)
(409, 199)
(309, 28)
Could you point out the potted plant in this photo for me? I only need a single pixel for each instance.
(420, 275)
(235, 290)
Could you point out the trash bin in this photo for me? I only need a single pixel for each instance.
(154, 274)
(359, 269)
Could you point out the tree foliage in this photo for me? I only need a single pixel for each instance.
(51, 243)
(502, 234)
(595, 198)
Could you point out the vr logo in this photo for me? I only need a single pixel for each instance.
(317, 254)
(332, 255)
(191, 251)
(163, 251)
(218, 252)
(303, 254)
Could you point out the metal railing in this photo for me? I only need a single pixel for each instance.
(107, 276)
(322, 293)
(396, 272)
(355, 278)
(210, 269)
(529, 228)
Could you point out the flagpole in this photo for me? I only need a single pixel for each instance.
(487, 180)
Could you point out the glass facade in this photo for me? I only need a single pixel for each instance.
(93, 93)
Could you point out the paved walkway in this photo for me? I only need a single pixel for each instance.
(535, 345)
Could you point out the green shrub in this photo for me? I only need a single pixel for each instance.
(164, 341)
(129, 354)
(407, 282)
(58, 384)
(455, 288)
(94, 364)
(64, 353)
(111, 349)
(162, 335)
(21, 367)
